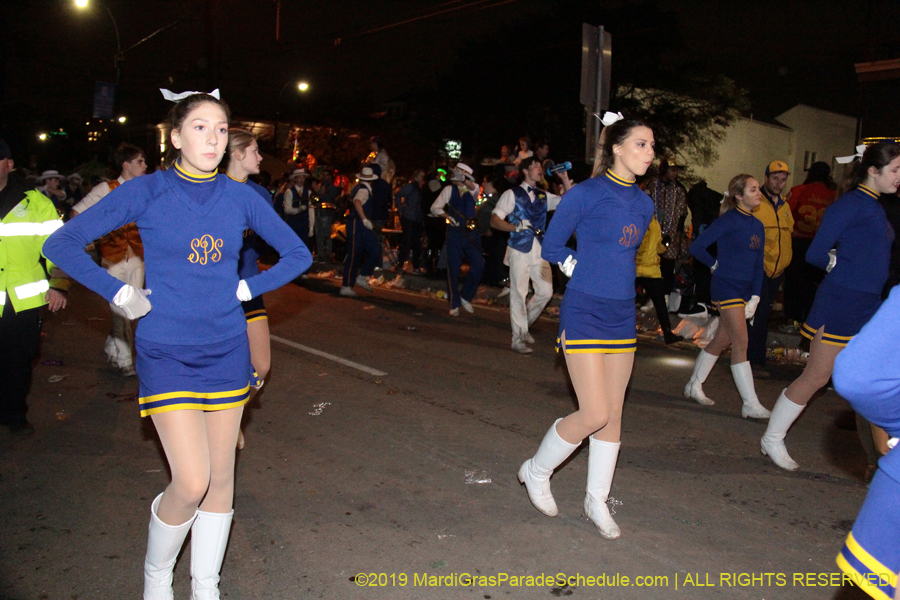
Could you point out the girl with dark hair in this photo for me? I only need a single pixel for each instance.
(193, 357)
(609, 215)
(735, 288)
(853, 246)
(241, 161)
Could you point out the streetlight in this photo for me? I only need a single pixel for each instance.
(83, 4)
(302, 87)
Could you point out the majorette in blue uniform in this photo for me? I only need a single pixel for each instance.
(254, 309)
(739, 237)
(609, 216)
(857, 228)
(363, 249)
(867, 374)
(192, 346)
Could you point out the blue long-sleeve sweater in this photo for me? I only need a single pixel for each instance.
(247, 266)
(858, 228)
(740, 239)
(867, 374)
(609, 216)
(192, 233)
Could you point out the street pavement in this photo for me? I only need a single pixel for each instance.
(380, 464)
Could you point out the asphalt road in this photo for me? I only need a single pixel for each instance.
(408, 477)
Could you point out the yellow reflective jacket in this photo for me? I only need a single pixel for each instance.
(779, 224)
(23, 279)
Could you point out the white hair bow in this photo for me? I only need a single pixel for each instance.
(173, 97)
(847, 159)
(609, 117)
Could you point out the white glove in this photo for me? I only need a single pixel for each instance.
(713, 268)
(452, 221)
(243, 292)
(133, 301)
(367, 224)
(832, 260)
(523, 225)
(750, 307)
(569, 266)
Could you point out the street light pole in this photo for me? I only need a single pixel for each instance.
(82, 4)
(119, 57)
(302, 87)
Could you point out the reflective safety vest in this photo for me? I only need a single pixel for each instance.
(23, 280)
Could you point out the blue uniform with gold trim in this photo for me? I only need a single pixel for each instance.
(857, 227)
(867, 374)
(739, 238)
(193, 228)
(609, 216)
(255, 308)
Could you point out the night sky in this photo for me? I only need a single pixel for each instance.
(784, 52)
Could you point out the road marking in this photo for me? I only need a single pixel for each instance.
(337, 359)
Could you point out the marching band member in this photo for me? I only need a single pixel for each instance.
(853, 245)
(241, 161)
(609, 215)
(193, 357)
(522, 211)
(456, 203)
(363, 249)
(867, 374)
(735, 289)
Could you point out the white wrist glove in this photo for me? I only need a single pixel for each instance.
(832, 260)
(452, 221)
(522, 225)
(750, 307)
(713, 268)
(243, 292)
(133, 301)
(367, 224)
(569, 266)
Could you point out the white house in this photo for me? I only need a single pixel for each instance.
(802, 136)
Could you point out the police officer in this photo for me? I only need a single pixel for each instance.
(27, 218)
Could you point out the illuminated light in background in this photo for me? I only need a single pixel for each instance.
(675, 361)
(81, 3)
(453, 149)
(122, 119)
(42, 136)
(302, 86)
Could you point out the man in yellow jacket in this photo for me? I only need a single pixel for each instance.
(27, 218)
(776, 217)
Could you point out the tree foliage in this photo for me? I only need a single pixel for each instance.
(688, 123)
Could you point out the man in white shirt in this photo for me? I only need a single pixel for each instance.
(122, 255)
(522, 211)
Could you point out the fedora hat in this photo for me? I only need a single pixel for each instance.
(51, 174)
(366, 174)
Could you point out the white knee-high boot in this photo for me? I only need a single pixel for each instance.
(702, 368)
(536, 471)
(163, 544)
(743, 379)
(601, 468)
(209, 538)
(772, 445)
